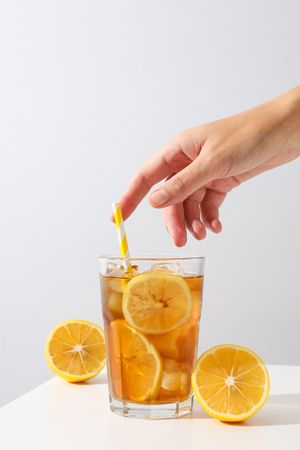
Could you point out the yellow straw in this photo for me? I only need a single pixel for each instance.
(121, 234)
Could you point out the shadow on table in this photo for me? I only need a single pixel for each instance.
(279, 410)
(100, 379)
(197, 413)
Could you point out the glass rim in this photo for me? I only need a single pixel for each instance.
(152, 258)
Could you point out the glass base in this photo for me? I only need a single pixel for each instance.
(160, 411)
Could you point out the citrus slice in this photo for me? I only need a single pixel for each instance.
(156, 303)
(230, 382)
(75, 350)
(136, 368)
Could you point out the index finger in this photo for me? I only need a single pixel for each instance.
(152, 171)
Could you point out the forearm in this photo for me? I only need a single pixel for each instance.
(286, 136)
(275, 126)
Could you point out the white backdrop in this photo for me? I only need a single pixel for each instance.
(87, 91)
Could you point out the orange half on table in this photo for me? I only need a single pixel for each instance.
(230, 382)
(75, 350)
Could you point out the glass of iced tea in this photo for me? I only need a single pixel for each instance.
(151, 310)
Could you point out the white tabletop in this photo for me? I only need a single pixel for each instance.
(62, 416)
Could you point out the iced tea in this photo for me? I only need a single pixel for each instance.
(151, 320)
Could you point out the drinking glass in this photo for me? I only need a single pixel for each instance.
(151, 309)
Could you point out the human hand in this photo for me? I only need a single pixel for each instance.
(203, 164)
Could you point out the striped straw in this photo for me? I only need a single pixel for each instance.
(121, 234)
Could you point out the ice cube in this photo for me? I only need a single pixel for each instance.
(172, 268)
(117, 284)
(115, 302)
(176, 376)
(113, 270)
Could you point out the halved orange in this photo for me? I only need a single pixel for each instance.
(230, 382)
(156, 303)
(136, 368)
(75, 350)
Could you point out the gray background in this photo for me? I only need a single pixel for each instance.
(87, 91)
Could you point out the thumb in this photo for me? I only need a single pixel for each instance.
(183, 184)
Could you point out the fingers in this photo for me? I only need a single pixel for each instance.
(172, 158)
(175, 223)
(192, 216)
(210, 210)
(178, 188)
(198, 211)
(200, 172)
(154, 170)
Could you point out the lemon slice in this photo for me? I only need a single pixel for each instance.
(230, 382)
(156, 303)
(75, 350)
(136, 368)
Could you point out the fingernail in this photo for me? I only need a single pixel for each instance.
(159, 198)
(216, 225)
(197, 227)
(179, 241)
